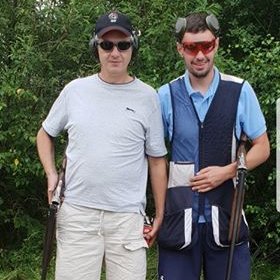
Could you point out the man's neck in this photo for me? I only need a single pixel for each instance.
(201, 84)
(115, 79)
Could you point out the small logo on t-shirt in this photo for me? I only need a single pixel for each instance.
(129, 109)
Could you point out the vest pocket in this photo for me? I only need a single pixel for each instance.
(220, 228)
(180, 173)
(177, 230)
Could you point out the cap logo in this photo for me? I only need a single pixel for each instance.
(113, 17)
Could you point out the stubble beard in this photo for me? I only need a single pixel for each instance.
(201, 74)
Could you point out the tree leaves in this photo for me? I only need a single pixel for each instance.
(44, 45)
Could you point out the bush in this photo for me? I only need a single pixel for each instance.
(44, 45)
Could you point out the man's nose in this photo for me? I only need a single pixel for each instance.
(200, 54)
(115, 51)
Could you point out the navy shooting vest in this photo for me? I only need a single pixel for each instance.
(208, 143)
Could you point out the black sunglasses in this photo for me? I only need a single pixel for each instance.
(121, 45)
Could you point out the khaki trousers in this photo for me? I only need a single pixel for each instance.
(86, 237)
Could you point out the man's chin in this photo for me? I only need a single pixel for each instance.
(200, 74)
(200, 71)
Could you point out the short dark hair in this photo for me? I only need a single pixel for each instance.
(196, 22)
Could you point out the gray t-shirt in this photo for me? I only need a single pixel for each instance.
(111, 130)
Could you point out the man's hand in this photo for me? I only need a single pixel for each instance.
(150, 231)
(212, 176)
(52, 182)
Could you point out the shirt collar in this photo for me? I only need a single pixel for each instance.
(212, 88)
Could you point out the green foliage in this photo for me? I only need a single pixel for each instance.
(257, 59)
(265, 271)
(44, 45)
(28, 268)
(23, 263)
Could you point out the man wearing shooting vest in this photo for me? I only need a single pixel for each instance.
(204, 113)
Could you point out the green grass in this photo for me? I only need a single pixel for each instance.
(265, 271)
(27, 267)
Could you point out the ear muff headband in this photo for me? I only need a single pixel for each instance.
(93, 46)
(181, 26)
(134, 39)
(213, 24)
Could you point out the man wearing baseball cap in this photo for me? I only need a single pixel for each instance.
(115, 133)
(113, 21)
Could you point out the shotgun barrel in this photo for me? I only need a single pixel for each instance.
(51, 221)
(238, 201)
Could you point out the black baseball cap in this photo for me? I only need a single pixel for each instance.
(113, 21)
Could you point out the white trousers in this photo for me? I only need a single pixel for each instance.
(86, 236)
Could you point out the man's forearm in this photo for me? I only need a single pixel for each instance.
(158, 175)
(259, 152)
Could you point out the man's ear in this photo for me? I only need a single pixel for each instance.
(179, 49)
(217, 43)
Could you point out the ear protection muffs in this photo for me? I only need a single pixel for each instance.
(134, 39)
(181, 25)
(93, 46)
(213, 24)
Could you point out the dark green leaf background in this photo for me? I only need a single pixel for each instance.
(44, 45)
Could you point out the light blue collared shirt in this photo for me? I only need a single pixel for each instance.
(249, 117)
